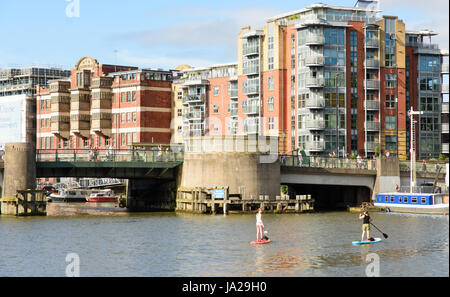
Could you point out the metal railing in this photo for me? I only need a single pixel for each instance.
(327, 162)
(109, 155)
(427, 167)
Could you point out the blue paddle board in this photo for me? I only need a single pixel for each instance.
(377, 240)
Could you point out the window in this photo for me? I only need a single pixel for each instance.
(390, 122)
(180, 95)
(123, 117)
(179, 112)
(390, 81)
(391, 142)
(390, 101)
(414, 200)
(128, 117)
(123, 98)
(216, 91)
(271, 123)
(270, 104)
(134, 96)
(392, 199)
(424, 200)
(216, 108)
(128, 97)
(270, 83)
(134, 117)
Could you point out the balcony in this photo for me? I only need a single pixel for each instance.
(316, 103)
(233, 93)
(251, 128)
(234, 112)
(424, 48)
(445, 148)
(372, 126)
(372, 63)
(444, 127)
(315, 82)
(253, 70)
(250, 109)
(250, 90)
(315, 39)
(315, 146)
(194, 115)
(248, 50)
(372, 84)
(372, 43)
(194, 98)
(101, 123)
(445, 107)
(315, 125)
(60, 126)
(372, 105)
(314, 61)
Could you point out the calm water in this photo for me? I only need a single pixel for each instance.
(196, 245)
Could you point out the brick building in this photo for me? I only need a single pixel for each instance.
(104, 105)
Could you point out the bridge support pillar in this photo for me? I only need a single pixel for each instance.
(388, 176)
(20, 168)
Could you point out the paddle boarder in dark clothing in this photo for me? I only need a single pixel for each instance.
(366, 224)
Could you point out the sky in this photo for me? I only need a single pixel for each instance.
(161, 34)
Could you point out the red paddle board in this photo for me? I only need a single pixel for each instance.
(260, 242)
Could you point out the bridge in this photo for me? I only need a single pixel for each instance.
(157, 172)
(98, 163)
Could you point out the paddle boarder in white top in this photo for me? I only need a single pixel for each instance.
(259, 226)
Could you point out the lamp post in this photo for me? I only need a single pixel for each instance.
(412, 181)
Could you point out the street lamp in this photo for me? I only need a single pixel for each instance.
(412, 181)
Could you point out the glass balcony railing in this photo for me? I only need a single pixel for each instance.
(253, 89)
(315, 103)
(315, 82)
(315, 125)
(372, 63)
(372, 43)
(315, 146)
(314, 61)
(372, 126)
(251, 70)
(372, 84)
(372, 105)
(315, 39)
(251, 109)
(250, 50)
(194, 98)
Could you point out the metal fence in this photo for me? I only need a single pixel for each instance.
(109, 155)
(327, 162)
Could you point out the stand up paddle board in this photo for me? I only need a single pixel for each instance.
(260, 242)
(366, 242)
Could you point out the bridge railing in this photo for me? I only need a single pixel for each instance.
(108, 155)
(327, 162)
(428, 167)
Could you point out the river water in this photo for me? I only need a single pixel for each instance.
(173, 244)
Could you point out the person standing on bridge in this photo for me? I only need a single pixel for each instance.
(259, 225)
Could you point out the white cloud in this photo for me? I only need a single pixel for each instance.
(164, 62)
(216, 30)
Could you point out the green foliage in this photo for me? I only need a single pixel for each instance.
(353, 156)
(284, 189)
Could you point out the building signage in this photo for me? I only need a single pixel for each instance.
(219, 194)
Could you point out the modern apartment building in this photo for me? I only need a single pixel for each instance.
(104, 105)
(326, 79)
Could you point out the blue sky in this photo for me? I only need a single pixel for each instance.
(161, 34)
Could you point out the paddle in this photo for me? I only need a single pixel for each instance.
(384, 234)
